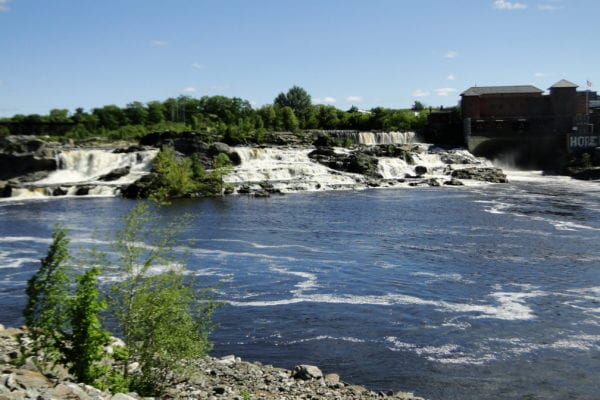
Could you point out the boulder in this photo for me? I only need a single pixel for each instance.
(486, 174)
(115, 174)
(21, 155)
(306, 372)
(420, 170)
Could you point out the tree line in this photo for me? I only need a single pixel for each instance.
(232, 117)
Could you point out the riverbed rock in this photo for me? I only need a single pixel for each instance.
(355, 162)
(115, 174)
(486, 174)
(22, 155)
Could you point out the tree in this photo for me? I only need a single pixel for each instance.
(156, 112)
(175, 176)
(298, 100)
(327, 117)
(417, 106)
(221, 167)
(287, 119)
(88, 338)
(162, 319)
(136, 113)
(46, 312)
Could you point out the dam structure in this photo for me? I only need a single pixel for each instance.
(526, 122)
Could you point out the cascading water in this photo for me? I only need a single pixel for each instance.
(79, 172)
(77, 166)
(291, 169)
(375, 138)
(287, 169)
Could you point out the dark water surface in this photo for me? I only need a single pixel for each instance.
(471, 293)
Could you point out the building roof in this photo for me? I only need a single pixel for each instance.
(517, 89)
(563, 83)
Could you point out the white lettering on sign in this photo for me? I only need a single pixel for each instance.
(583, 141)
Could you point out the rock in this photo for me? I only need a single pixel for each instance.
(420, 170)
(115, 174)
(122, 396)
(454, 182)
(22, 155)
(486, 174)
(68, 391)
(306, 372)
(332, 379)
(59, 191)
(586, 174)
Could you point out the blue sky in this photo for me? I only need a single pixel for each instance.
(89, 53)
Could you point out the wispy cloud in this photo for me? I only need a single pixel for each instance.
(548, 7)
(420, 93)
(158, 43)
(508, 5)
(325, 100)
(451, 77)
(451, 54)
(444, 91)
(354, 99)
(198, 65)
(4, 5)
(189, 89)
(541, 74)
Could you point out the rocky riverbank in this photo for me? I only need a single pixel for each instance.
(226, 378)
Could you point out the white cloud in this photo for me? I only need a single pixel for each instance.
(354, 99)
(507, 5)
(4, 5)
(541, 74)
(420, 93)
(189, 89)
(451, 77)
(444, 91)
(451, 54)
(156, 43)
(548, 7)
(325, 100)
(198, 65)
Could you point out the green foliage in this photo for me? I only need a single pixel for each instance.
(4, 131)
(88, 338)
(46, 311)
(163, 323)
(299, 101)
(175, 176)
(221, 167)
(417, 106)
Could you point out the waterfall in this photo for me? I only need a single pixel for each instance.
(79, 172)
(288, 169)
(375, 138)
(77, 166)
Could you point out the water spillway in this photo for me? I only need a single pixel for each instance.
(375, 138)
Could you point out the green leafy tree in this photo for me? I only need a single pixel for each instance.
(418, 106)
(88, 338)
(175, 176)
(298, 100)
(156, 112)
(136, 113)
(163, 322)
(221, 167)
(46, 311)
(287, 118)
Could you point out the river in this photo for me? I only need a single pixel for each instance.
(480, 292)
